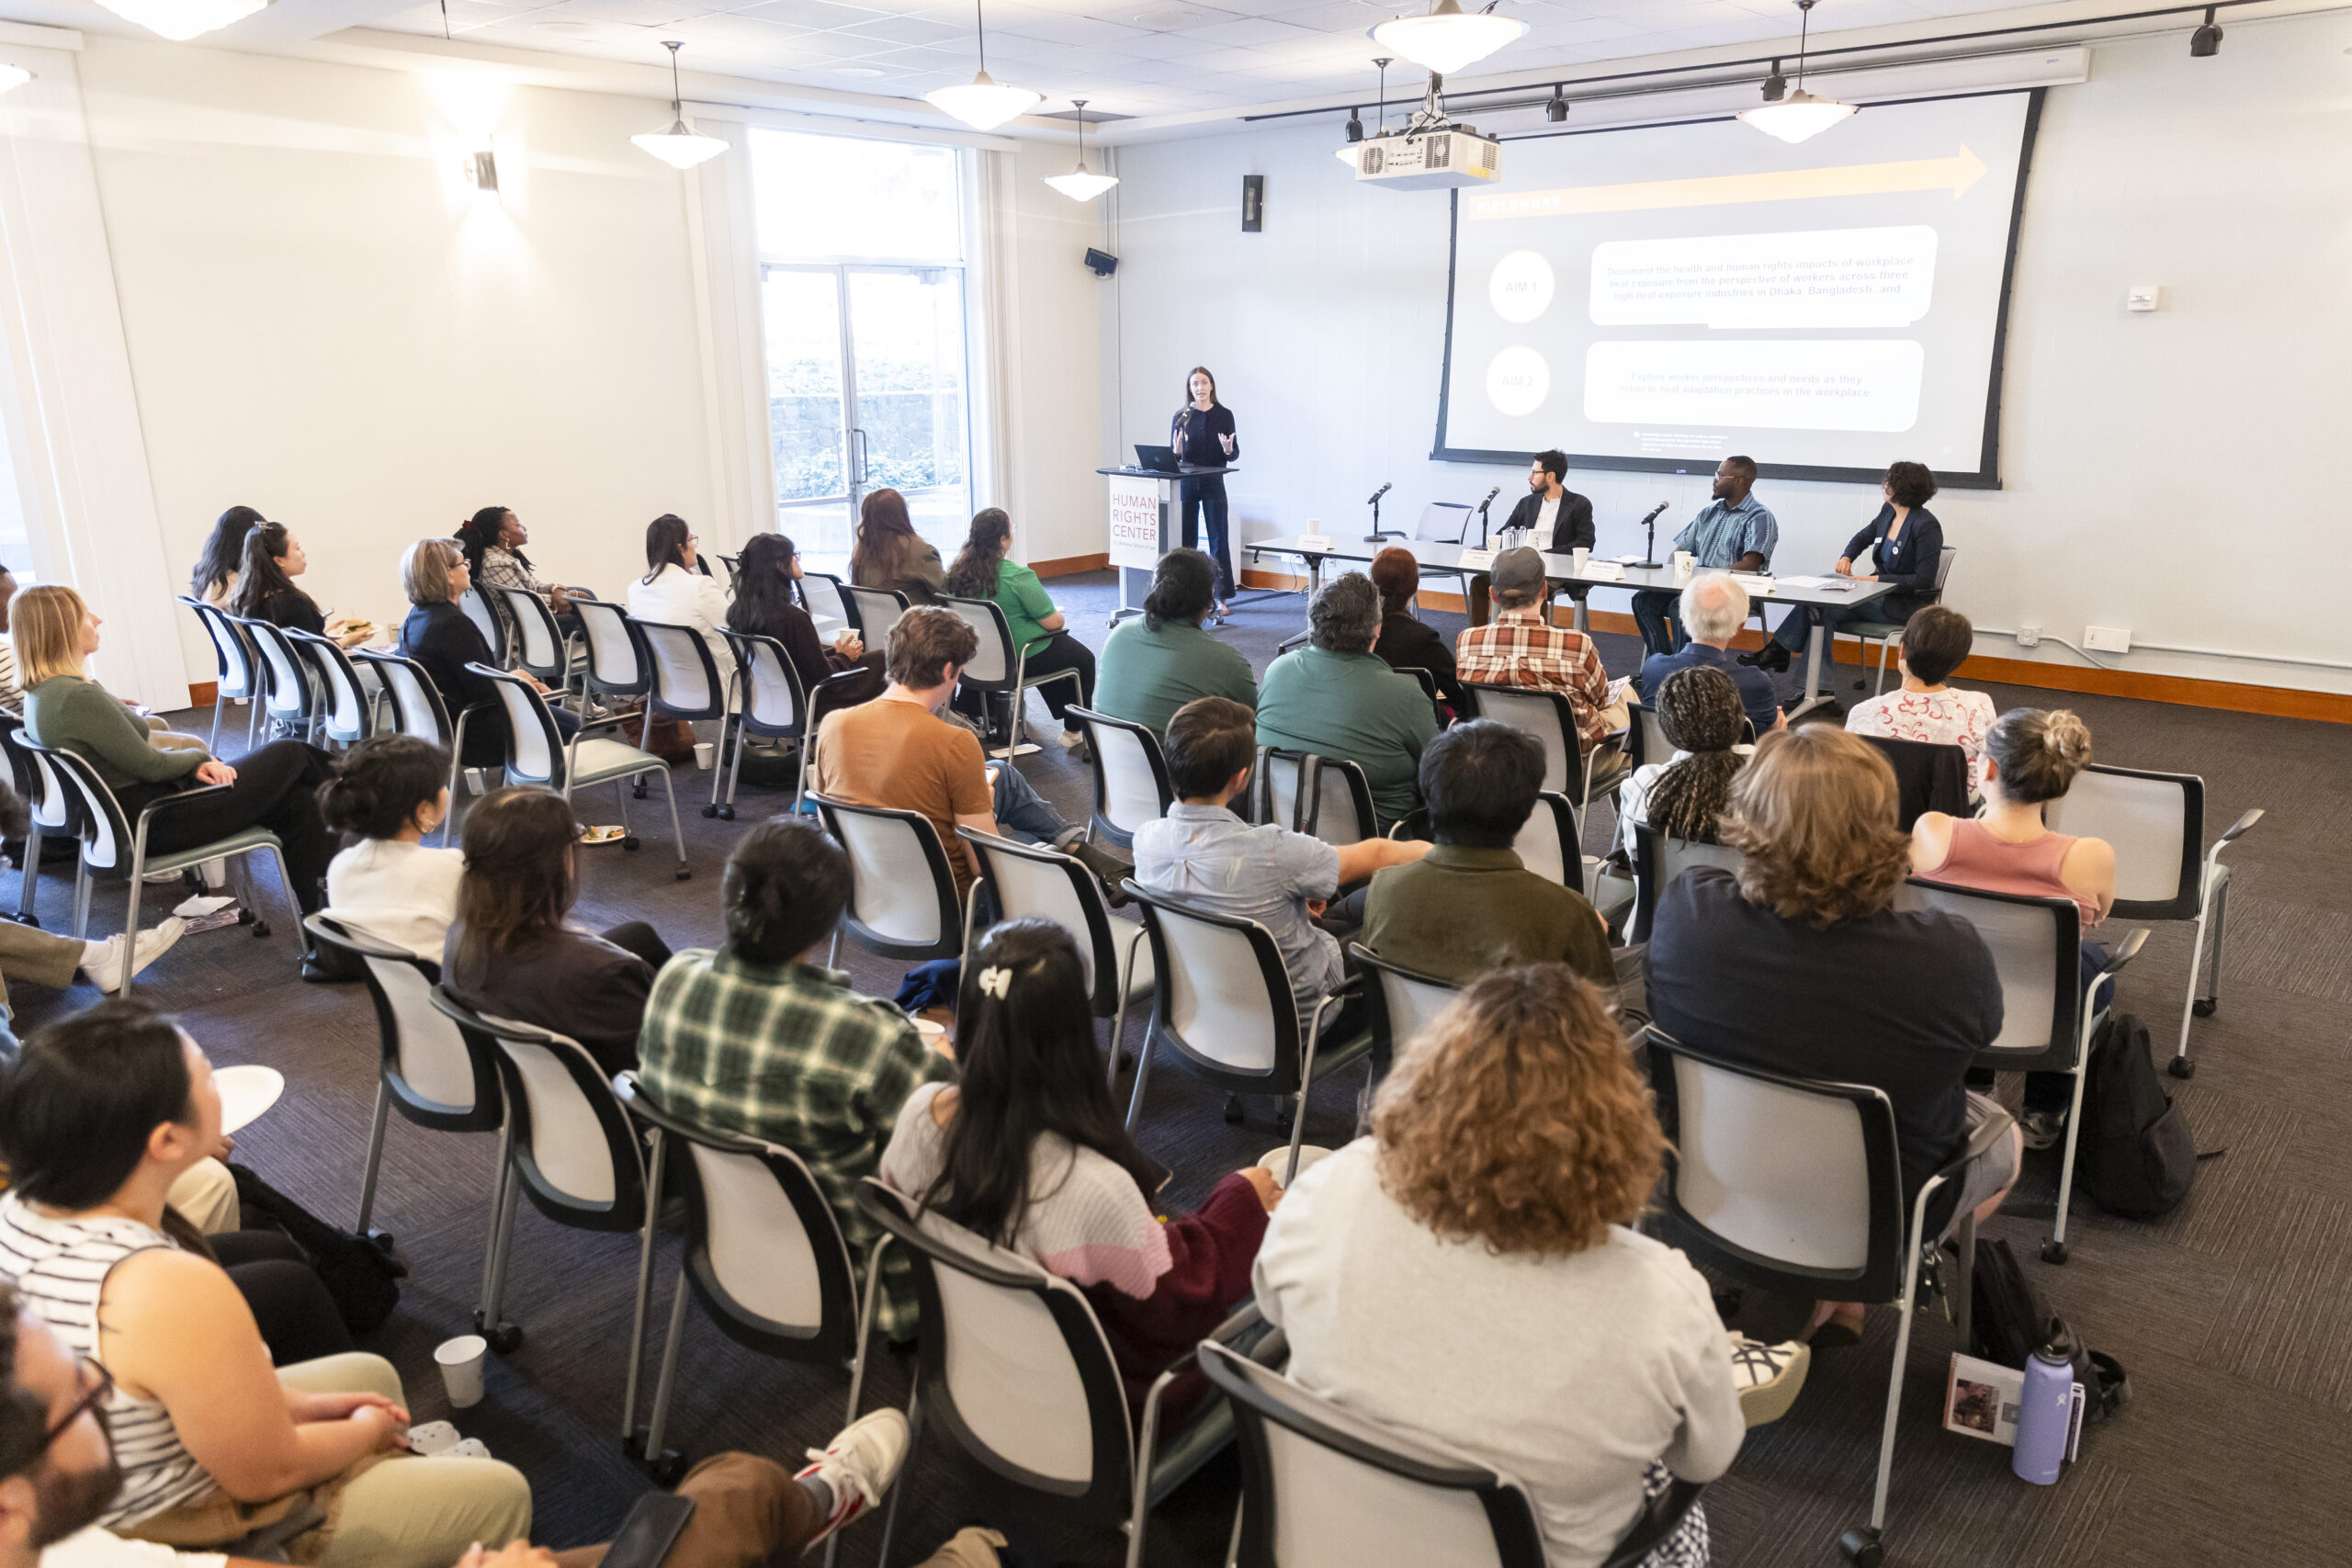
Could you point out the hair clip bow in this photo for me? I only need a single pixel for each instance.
(995, 981)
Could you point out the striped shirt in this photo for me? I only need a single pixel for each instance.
(1519, 648)
(60, 1269)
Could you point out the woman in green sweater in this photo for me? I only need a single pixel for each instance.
(1039, 631)
(276, 787)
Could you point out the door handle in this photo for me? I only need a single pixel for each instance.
(858, 456)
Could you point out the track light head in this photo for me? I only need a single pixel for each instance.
(2206, 42)
(1776, 86)
(1557, 109)
(1355, 125)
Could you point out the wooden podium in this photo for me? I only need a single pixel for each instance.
(1144, 526)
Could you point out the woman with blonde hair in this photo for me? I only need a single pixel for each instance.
(1469, 1273)
(1799, 964)
(275, 787)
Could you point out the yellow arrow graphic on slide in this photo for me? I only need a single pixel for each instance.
(1954, 174)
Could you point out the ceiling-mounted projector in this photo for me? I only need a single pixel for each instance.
(1434, 159)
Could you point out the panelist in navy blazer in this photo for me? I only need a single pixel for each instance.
(1903, 545)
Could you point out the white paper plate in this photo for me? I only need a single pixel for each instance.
(245, 1093)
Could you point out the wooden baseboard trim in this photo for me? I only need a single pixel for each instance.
(203, 696)
(2228, 696)
(1071, 566)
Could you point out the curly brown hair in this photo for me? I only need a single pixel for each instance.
(1813, 816)
(1516, 1118)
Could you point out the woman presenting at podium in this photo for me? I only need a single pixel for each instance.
(1202, 435)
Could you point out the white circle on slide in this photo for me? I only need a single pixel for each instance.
(1520, 289)
(1517, 380)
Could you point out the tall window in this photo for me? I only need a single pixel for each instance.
(861, 253)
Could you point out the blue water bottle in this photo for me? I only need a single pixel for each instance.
(2045, 1408)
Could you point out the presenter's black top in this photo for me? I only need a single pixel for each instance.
(1194, 433)
(1571, 525)
(1909, 563)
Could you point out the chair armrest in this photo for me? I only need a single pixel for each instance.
(172, 802)
(1988, 1133)
(2238, 828)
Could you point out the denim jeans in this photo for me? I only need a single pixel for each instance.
(1022, 813)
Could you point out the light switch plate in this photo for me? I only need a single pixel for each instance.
(2144, 296)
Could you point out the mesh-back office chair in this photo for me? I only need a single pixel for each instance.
(240, 677)
(1887, 633)
(1657, 861)
(542, 650)
(902, 900)
(2155, 822)
(1445, 522)
(48, 808)
(344, 715)
(1795, 1186)
(1131, 782)
(488, 619)
(418, 711)
(1000, 670)
(287, 697)
(873, 611)
(616, 666)
(774, 707)
(536, 753)
(1032, 879)
(1398, 1004)
(1322, 797)
(687, 684)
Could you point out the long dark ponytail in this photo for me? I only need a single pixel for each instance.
(1025, 1042)
(974, 573)
(1699, 711)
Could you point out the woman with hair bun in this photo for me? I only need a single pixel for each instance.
(388, 793)
(1028, 1152)
(2031, 758)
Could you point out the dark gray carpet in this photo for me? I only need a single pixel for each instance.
(2229, 1314)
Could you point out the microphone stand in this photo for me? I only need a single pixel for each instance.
(1377, 535)
(1482, 521)
(1649, 548)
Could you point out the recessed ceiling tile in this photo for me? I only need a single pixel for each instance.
(1253, 30)
(634, 13)
(722, 27)
(1081, 31)
(905, 30)
(816, 14)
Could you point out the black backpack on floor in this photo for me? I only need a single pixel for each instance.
(2138, 1157)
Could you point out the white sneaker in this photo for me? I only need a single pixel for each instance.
(858, 1466)
(151, 944)
(1072, 739)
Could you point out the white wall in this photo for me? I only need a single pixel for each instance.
(2168, 473)
(1052, 353)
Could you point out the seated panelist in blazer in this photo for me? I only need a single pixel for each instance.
(1557, 519)
(1903, 545)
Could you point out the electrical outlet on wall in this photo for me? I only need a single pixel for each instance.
(2108, 639)
(2029, 634)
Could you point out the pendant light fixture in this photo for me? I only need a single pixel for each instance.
(180, 20)
(681, 146)
(1800, 114)
(13, 77)
(984, 103)
(1449, 39)
(1082, 184)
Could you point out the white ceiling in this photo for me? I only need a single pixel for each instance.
(1150, 58)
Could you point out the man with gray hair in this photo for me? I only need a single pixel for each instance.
(1339, 699)
(1712, 609)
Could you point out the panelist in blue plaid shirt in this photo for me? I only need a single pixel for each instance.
(1735, 532)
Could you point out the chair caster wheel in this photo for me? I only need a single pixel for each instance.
(503, 1338)
(632, 843)
(261, 928)
(1861, 1545)
(33, 920)
(2053, 1252)
(638, 792)
(244, 917)
(2206, 1007)
(668, 1470)
(727, 814)
(686, 874)
(1233, 1108)
(2182, 1066)
(710, 811)
(380, 1240)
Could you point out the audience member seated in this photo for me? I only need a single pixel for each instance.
(757, 1038)
(889, 553)
(1935, 641)
(1683, 796)
(389, 792)
(1469, 906)
(749, 1510)
(1800, 964)
(1156, 663)
(1039, 631)
(1907, 548)
(1469, 1272)
(493, 540)
(2029, 759)
(1028, 1151)
(215, 577)
(266, 589)
(511, 954)
(1337, 698)
(1407, 643)
(1201, 853)
(442, 641)
(1713, 608)
(28, 952)
(676, 592)
(763, 607)
(897, 752)
(1521, 647)
(275, 787)
(97, 1120)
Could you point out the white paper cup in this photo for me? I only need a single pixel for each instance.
(1579, 557)
(934, 1033)
(1683, 561)
(460, 1362)
(1278, 1160)
(706, 755)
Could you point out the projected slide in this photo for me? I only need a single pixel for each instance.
(1660, 298)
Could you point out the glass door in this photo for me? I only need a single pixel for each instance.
(866, 390)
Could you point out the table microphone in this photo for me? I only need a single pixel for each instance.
(1650, 523)
(1482, 514)
(1384, 489)
(1376, 535)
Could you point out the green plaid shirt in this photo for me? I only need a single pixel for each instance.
(789, 1053)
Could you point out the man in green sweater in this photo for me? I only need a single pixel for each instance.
(1339, 699)
(1153, 666)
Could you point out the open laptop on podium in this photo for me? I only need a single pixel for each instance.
(1159, 459)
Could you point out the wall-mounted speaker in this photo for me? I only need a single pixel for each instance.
(1102, 264)
(1253, 203)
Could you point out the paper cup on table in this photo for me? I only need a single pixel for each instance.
(706, 755)
(1683, 561)
(1278, 1160)
(1579, 557)
(934, 1033)
(460, 1362)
